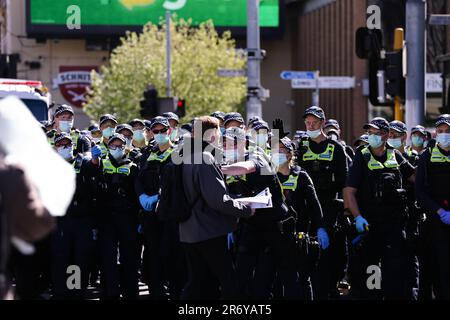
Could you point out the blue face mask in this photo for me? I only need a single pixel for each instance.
(222, 131)
(108, 132)
(375, 141)
(65, 153)
(443, 139)
(417, 141)
(314, 134)
(395, 142)
(65, 126)
(279, 159)
(138, 135)
(161, 138)
(117, 153)
(261, 140)
(174, 134)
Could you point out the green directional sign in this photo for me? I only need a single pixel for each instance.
(42, 14)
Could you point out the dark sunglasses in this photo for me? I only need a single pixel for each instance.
(163, 130)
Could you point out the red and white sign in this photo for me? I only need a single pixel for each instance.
(73, 82)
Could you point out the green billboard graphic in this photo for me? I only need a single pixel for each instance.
(98, 13)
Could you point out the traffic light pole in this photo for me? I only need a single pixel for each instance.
(415, 75)
(168, 61)
(254, 56)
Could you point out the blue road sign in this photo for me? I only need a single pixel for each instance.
(289, 75)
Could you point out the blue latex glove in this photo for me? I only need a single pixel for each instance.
(445, 216)
(230, 240)
(322, 236)
(140, 229)
(148, 202)
(361, 224)
(96, 152)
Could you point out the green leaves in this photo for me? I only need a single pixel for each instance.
(197, 54)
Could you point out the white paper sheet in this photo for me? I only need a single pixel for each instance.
(260, 201)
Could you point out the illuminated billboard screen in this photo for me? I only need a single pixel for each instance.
(114, 17)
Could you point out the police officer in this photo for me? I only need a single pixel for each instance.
(127, 131)
(63, 122)
(362, 141)
(96, 134)
(72, 241)
(139, 139)
(261, 244)
(118, 224)
(418, 139)
(376, 198)
(301, 198)
(332, 124)
(325, 161)
(260, 135)
(397, 139)
(433, 195)
(174, 122)
(107, 124)
(219, 115)
(161, 237)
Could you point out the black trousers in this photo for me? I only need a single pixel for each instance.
(118, 235)
(72, 244)
(210, 262)
(440, 246)
(259, 255)
(166, 263)
(384, 244)
(32, 273)
(425, 257)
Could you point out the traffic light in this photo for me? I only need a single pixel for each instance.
(149, 106)
(395, 82)
(181, 108)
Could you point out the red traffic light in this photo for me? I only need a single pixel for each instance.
(180, 103)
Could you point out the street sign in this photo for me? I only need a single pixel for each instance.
(324, 83)
(433, 82)
(229, 73)
(336, 82)
(440, 19)
(289, 75)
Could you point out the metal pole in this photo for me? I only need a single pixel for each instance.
(254, 107)
(316, 95)
(415, 76)
(168, 62)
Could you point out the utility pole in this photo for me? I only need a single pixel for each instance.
(415, 74)
(168, 61)
(254, 56)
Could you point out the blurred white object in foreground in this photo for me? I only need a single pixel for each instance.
(24, 143)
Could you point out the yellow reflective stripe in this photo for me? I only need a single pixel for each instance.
(373, 164)
(162, 157)
(437, 156)
(104, 149)
(234, 179)
(108, 168)
(290, 183)
(327, 155)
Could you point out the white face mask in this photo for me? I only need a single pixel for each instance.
(65, 153)
(117, 153)
(65, 126)
(314, 134)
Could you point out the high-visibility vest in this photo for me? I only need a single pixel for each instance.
(437, 156)
(109, 168)
(327, 155)
(162, 157)
(291, 183)
(373, 164)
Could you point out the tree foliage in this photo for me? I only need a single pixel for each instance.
(140, 60)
